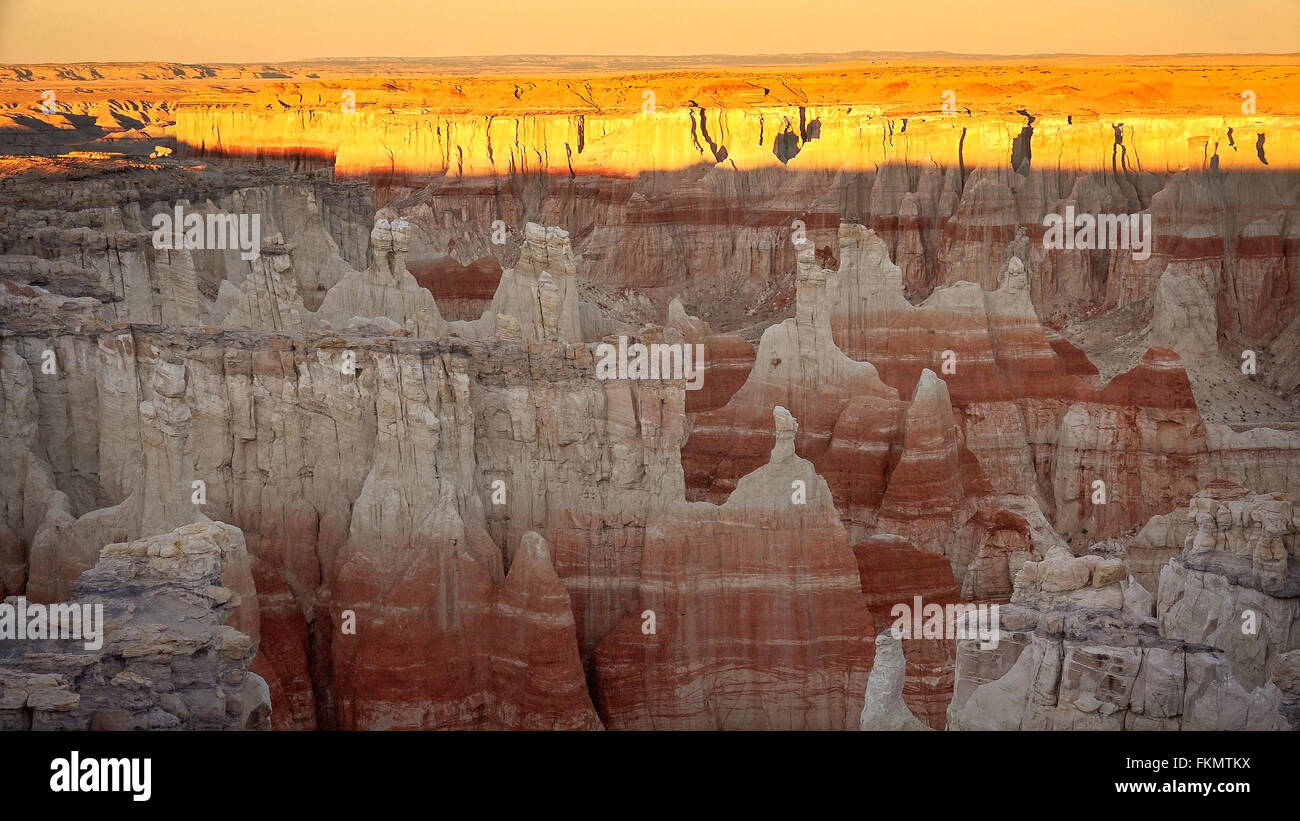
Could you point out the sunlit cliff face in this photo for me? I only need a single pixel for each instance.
(1126, 119)
(1152, 119)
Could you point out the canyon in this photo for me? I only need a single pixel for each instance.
(376, 468)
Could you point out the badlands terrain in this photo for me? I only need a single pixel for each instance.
(370, 474)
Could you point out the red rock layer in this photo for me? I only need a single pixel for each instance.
(416, 660)
(282, 654)
(728, 359)
(1029, 405)
(417, 581)
(466, 657)
(891, 572)
(583, 460)
(849, 419)
(963, 477)
(1141, 435)
(537, 677)
(925, 497)
(759, 620)
(288, 533)
(1000, 350)
(462, 291)
(941, 225)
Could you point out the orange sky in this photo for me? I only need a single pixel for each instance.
(276, 30)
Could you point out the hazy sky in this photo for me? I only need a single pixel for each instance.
(271, 30)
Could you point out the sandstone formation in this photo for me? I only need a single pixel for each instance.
(725, 590)
(540, 292)
(266, 301)
(168, 660)
(537, 673)
(550, 427)
(103, 248)
(385, 290)
(883, 708)
(1033, 414)
(891, 572)
(1286, 675)
(1235, 585)
(849, 416)
(1081, 649)
(474, 657)
(1280, 368)
(728, 359)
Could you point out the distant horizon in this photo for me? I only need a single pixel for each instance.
(791, 57)
(257, 31)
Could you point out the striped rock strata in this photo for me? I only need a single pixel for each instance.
(751, 612)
